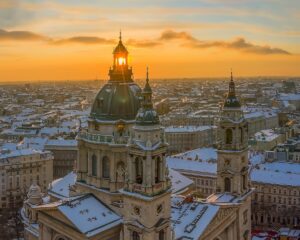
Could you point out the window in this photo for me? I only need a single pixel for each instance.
(161, 235)
(228, 136)
(105, 167)
(227, 184)
(245, 216)
(94, 165)
(157, 169)
(241, 135)
(139, 170)
(135, 236)
(244, 182)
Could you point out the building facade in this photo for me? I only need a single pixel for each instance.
(18, 170)
(64, 156)
(275, 206)
(185, 138)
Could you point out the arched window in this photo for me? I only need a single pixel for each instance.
(227, 184)
(105, 167)
(241, 135)
(139, 170)
(94, 165)
(60, 237)
(135, 236)
(157, 169)
(161, 235)
(228, 136)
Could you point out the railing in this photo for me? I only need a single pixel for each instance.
(98, 138)
(155, 188)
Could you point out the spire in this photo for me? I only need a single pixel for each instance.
(147, 75)
(231, 99)
(231, 86)
(147, 115)
(120, 48)
(147, 88)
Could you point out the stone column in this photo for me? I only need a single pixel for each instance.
(153, 163)
(112, 175)
(129, 170)
(163, 168)
(98, 168)
(144, 161)
(89, 164)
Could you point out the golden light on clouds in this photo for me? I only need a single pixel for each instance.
(57, 40)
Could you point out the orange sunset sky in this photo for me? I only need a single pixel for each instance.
(74, 40)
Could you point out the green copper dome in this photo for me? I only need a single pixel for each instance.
(120, 97)
(117, 101)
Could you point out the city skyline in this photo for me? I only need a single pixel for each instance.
(59, 40)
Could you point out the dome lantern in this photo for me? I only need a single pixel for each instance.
(120, 54)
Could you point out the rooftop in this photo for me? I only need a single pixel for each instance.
(89, 215)
(190, 219)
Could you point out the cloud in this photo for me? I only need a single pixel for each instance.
(169, 35)
(84, 40)
(237, 44)
(21, 36)
(185, 39)
(143, 43)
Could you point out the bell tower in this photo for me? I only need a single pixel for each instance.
(232, 165)
(147, 188)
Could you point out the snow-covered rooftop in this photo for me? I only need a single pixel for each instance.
(21, 152)
(89, 215)
(186, 129)
(190, 219)
(203, 161)
(222, 198)
(179, 182)
(280, 173)
(62, 142)
(290, 97)
(60, 188)
(198, 160)
(266, 135)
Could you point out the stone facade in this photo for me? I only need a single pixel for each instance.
(18, 170)
(186, 138)
(65, 155)
(275, 206)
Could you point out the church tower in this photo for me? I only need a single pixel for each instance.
(147, 188)
(233, 146)
(232, 166)
(102, 147)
